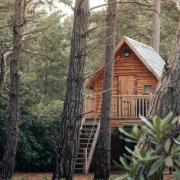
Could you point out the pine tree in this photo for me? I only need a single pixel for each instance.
(73, 103)
(12, 132)
(103, 147)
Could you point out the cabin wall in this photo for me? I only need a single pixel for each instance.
(127, 66)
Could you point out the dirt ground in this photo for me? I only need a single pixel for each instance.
(47, 176)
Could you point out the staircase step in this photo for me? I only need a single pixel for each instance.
(86, 140)
(81, 150)
(80, 160)
(82, 155)
(87, 132)
(79, 168)
(90, 123)
(86, 136)
(85, 145)
(79, 164)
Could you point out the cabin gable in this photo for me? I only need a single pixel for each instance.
(125, 67)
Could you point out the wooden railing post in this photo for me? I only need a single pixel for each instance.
(123, 106)
(85, 160)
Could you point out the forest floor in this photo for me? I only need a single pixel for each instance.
(47, 176)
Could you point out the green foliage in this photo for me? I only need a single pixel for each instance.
(161, 151)
(44, 63)
(39, 125)
(44, 67)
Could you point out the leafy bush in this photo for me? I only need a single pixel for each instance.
(162, 149)
(38, 132)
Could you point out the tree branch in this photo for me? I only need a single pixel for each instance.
(68, 4)
(44, 55)
(121, 2)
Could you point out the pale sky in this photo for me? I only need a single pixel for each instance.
(92, 4)
(96, 2)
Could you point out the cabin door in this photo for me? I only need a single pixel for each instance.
(126, 88)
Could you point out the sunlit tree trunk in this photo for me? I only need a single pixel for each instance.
(4, 56)
(73, 103)
(167, 96)
(156, 25)
(103, 148)
(2, 70)
(12, 125)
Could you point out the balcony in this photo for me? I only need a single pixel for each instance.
(124, 107)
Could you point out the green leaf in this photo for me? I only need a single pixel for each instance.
(156, 166)
(176, 141)
(130, 151)
(169, 161)
(177, 149)
(141, 177)
(157, 122)
(177, 174)
(126, 133)
(125, 163)
(167, 120)
(148, 131)
(146, 122)
(118, 165)
(136, 132)
(167, 145)
(130, 140)
(177, 162)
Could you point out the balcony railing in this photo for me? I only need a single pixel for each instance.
(123, 106)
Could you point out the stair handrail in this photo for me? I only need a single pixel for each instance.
(95, 120)
(94, 140)
(82, 122)
(93, 147)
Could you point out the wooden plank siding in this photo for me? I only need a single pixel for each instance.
(125, 67)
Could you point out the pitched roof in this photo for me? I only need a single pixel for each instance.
(148, 56)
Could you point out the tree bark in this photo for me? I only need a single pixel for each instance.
(2, 70)
(73, 104)
(167, 96)
(156, 25)
(3, 67)
(103, 148)
(12, 126)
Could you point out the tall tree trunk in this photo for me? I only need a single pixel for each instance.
(3, 67)
(12, 131)
(73, 103)
(2, 70)
(167, 96)
(156, 25)
(103, 148)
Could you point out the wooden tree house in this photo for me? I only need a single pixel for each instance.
(137, 70)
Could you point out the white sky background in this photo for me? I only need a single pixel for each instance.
(93, 3)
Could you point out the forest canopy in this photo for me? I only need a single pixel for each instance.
(44, 65)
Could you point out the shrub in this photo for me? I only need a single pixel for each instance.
(162, 150)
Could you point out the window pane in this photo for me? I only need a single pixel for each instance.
(148, 89)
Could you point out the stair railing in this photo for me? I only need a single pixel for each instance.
(88, 159)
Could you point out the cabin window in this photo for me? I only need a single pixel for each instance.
(148, 89)
(126, 52)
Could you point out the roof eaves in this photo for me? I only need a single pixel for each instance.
(140, 57)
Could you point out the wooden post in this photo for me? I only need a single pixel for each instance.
(85, 160)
